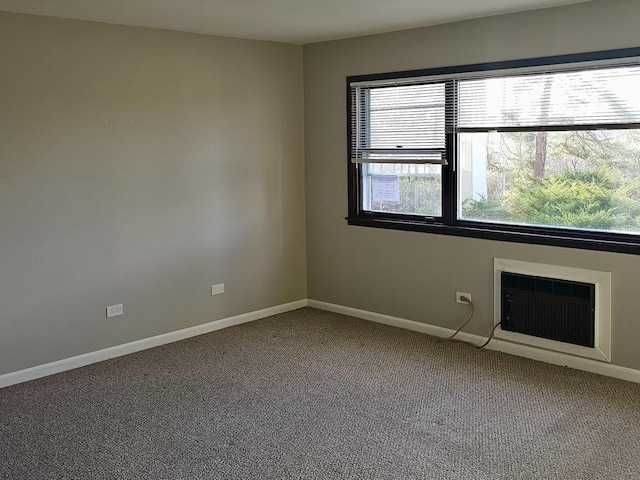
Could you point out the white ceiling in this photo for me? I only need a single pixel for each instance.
(291, 21)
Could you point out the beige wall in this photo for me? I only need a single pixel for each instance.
(416, 275)
(141, 166)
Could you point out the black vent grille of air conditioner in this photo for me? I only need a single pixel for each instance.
(550, 308)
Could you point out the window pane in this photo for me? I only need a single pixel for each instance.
(578, 179)
(402, 188)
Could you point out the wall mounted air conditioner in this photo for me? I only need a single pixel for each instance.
(553, 307)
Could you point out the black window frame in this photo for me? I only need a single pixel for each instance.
(449, 224)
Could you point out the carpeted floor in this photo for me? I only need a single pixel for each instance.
(316, 395)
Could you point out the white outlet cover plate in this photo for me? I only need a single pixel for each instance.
(115, 310)
(459, 296)
(217, 289)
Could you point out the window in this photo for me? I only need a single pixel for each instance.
(539, 151)
(400, 143)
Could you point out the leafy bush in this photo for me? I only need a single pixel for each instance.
(597, 199)
(485, 209)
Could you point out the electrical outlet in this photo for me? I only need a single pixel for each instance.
(461, 295)
(217, 289)
(115, 310)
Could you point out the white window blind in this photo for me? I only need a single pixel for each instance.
(406, 120)
(399, 123)
(604, 97)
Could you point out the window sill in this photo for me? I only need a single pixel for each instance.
(563, 238)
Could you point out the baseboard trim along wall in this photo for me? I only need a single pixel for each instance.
(498, 345)
(547, 356)
(63, 365)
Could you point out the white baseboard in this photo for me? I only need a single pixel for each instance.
(555, 358)
(499, 345)
(63, 365)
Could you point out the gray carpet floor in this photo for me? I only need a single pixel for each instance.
(316, 395)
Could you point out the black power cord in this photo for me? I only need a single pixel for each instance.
(473, 310)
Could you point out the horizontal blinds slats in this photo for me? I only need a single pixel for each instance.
(552, 128)
(399, 123)
(407, 120)
(408, 160)
(583, 97)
